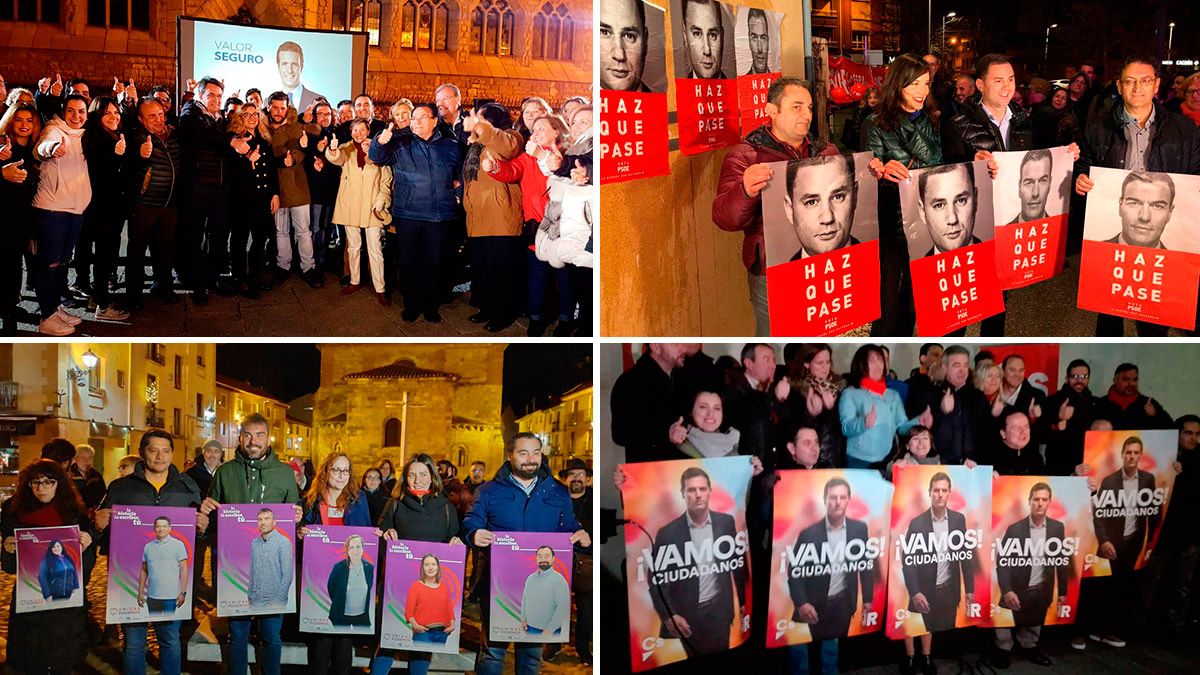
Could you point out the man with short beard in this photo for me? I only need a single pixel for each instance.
(323, 180)
(545, 600)
(642, 405)
(577, 475)
(290, 141)
(522, 497)
(1066, 417)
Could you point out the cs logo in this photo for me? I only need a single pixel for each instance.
(649, 644)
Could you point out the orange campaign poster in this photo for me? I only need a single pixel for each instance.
(829, 555)
(1041, 536)
(1141, 246)
(1030, 196)
(1133, 473)
(938, 575)
(687, 558)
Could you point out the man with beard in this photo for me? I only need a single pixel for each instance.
(578, 474)
(1127, 408)
(1033, 186)
(545, 600)
(759, 36)
(623, 43)
(704, 39)
(522, 497)
(935, 588)
(643, 407)
(254, 476)
(948, 202)
(699, 610)
(1028, 589)
(819, 204)
(271, 567)
(290, 141)
(1146, 204)
(1068, 414)
(826, 602)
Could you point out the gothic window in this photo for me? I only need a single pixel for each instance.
(425, 24)
(553, 33)
(360, 16)
(492, 24)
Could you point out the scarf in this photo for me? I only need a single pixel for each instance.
(1190, 113)
(877, 387)
(832, 384)
(360, 155)
(418, 493)
(1123, 400)
(713, 443)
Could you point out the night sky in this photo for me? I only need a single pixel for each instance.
(532, 372)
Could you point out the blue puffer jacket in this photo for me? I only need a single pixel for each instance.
(501, 506)
(424, 172)
(874, 444)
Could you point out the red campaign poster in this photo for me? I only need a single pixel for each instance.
(633, 96)
(1141, 253)
(821, 228)
(949, 224)
(850, 80)
(758, 51)
(1041, 362)
(1030, 198)
(706, 100)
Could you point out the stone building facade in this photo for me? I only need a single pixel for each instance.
(64, 42)
(394, 401)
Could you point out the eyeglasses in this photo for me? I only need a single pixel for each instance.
(1078, 378)
(43, 482)
(1145, 82)
(1192, 92)
(340, 472)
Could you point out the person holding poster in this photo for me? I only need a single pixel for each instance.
(254, 476)
(54, 640)
(1069, 413)
(745, 173)
(1137, 135)
(545, 600)
(522, 497)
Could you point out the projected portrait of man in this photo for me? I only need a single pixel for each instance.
(289, 58)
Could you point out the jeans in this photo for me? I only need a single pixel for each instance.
(14, 244)
(432, 637)
(205, 216)
(156, 227)
(418, 662)
(758, 302)
(169, 649)
(57, 232)
(539, 282)
(104, 221)
(798, 657)
(420, 244)
(286, 220)
(320, 217)
(268, 631)
(529, 659)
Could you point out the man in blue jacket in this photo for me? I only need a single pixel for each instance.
(523, 497)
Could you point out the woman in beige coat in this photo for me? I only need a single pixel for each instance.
(363, 205)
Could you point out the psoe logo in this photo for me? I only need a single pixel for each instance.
(901, 616)
(649, 644)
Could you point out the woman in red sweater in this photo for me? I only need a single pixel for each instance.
(429, 607)
(542, 157)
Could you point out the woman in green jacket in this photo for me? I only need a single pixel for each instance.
(902, 135)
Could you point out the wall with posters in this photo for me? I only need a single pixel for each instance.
(676, 273)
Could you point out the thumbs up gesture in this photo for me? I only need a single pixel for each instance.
(303, 138)
(333, 142)
(287, 159)
(579, 174)
(385, 136)
(948, 402)
(6, 149)
(13, 173)
(318, 164)
(57, 86)
(1035, 411)
(254, 157)
(488, 164)
(678, 432)
(147, 147)
(130, 91)
(119, 148)
(554, 160)
(1066, 411)
(871, 417)
(322, 144)
(118, 88)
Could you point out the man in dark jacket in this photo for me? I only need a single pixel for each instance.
(1137, 135)
(154, 482)
(202, 472)
(323, 180)
(153, 165)
(745, 174)
(1066, 418)
(577, 475)
(1180, 536)
(643, 408)
(523, 497)
(87, 478)
(204, 195)
(752, 407)
(1127, 408)
(960, 412)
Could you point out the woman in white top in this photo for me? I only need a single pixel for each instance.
(363, 205)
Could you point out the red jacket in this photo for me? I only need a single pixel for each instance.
(525, 170)
(733, 210)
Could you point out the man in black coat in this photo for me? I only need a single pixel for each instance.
(935, 589)
(1066, 417)
(1127, 408)
(643, 407)
(202, 473)
(1121, 537)
(700, 609)
(751, 406)
(960, 412)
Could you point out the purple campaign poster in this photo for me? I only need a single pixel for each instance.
(423, 593)
(531, 587)
(256, 559)
(161, 541)
(49, 568)
(341, 565)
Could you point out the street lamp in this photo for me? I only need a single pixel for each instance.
(951, 15)
(90, 359)
(1046, 54)
(1170, 39)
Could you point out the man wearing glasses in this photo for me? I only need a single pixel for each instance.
(1067, 415)
(1137, 135)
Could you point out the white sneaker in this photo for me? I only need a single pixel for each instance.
(54, 325)
(1112, 640)
(67, 317)
(1079, 643)
(111, 313)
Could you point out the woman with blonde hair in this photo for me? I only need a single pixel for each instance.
(401, 112)
(363, 206)
(254, 198)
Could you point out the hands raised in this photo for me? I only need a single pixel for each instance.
(304, 138)
(147, 147)
(948, 401)
(287, 159)
(755, 179)
(870, 421)
(385, 136)
(579, 174)
(119, 148)
(678, 432)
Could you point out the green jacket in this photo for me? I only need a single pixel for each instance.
(913, 141)
(254, 481)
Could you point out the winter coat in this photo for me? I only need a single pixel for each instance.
(254, 481)
(429, 518)
(323, 184)
(205, 146)
(293, 180)
(357, 513)
(1174, 142)
(524, 169)
(565, 242)
(494, 208)
(424, 173)
(152, 182)
(972, 130)
(361, 191)
(64, 184)
(253, 185)
(733, 210)
(502, 506)
(914, 143)
(58, 577)
(580, 151)
(104, 168)
(874, 444)
(134, 490)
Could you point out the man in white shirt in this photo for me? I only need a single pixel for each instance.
(935, 588)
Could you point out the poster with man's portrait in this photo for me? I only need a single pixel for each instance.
(688, 522)
(1031, 196)
(256, 559)
(633, 90)
(423, 596)
(706, 99)
(49, 569)
(758, 48)
(338, 590)
(151, 557)
(1041, 537)
(829, 555)
(821, 226)
(1133, 474)
(949, 225)
(1141, 246)
(531, 587)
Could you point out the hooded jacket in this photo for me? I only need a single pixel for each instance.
(64, 184)
(254, 481)
(566, 241)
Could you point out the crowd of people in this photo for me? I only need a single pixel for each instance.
(920, 118)
(424, 501)
(677, 402)
(231, 194)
